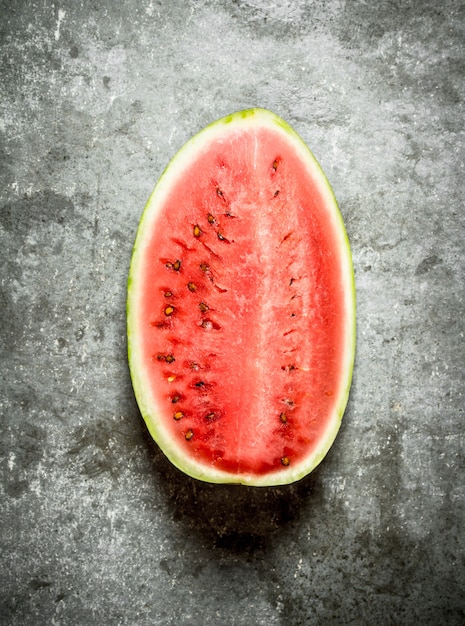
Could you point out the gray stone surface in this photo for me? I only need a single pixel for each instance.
(96, 526)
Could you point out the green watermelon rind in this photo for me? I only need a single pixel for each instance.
(147, 403)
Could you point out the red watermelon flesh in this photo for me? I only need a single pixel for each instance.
(241, 306)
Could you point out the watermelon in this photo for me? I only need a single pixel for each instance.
(241, 306)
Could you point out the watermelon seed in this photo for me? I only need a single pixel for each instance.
(203, 307)
(178, 415)
(189, 434)
(175, 398)
(219, 193)
(169, 358)
(197, 231)
(169, 310)
(210, 416)
(211, 219)
(275, 164)
(221, 237)
(285, 461)
(288, 368)
(168, 294)
(174, 266)
(283, 418)
(276, 193)
(192, 287)
(210, 325)
(291, 281)
(171, 378)
(204, 267)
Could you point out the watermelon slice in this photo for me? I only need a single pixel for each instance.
(241, 306)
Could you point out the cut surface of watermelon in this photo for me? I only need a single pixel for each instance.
(241, 306)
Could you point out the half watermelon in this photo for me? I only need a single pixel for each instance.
(241, 306)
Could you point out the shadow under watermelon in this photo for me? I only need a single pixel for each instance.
(235, 518)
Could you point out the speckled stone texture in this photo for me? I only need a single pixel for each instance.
(97, 528)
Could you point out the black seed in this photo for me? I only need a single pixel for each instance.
(204, 267)
(169, 358)
(221, 237)
(192, 287)
(203, 307)
(175, 398)
(288, 368)
(177, 265)
(275, 164)
(219, 192)
(200, 384)
(276, 193)
(210, 416)
(211, 219)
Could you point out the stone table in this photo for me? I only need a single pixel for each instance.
(97, 527)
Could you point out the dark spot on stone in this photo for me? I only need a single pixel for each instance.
(60, 596)
(31, 212)
(79, 333)
(74, 52)
(427, 264)
(36, 583)
(137, 106)
(61, 342)
(27, 441)
(58, 248)
(57, 154)
(15, 488)
(106, 82)
(100, 447)
(99, 334)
